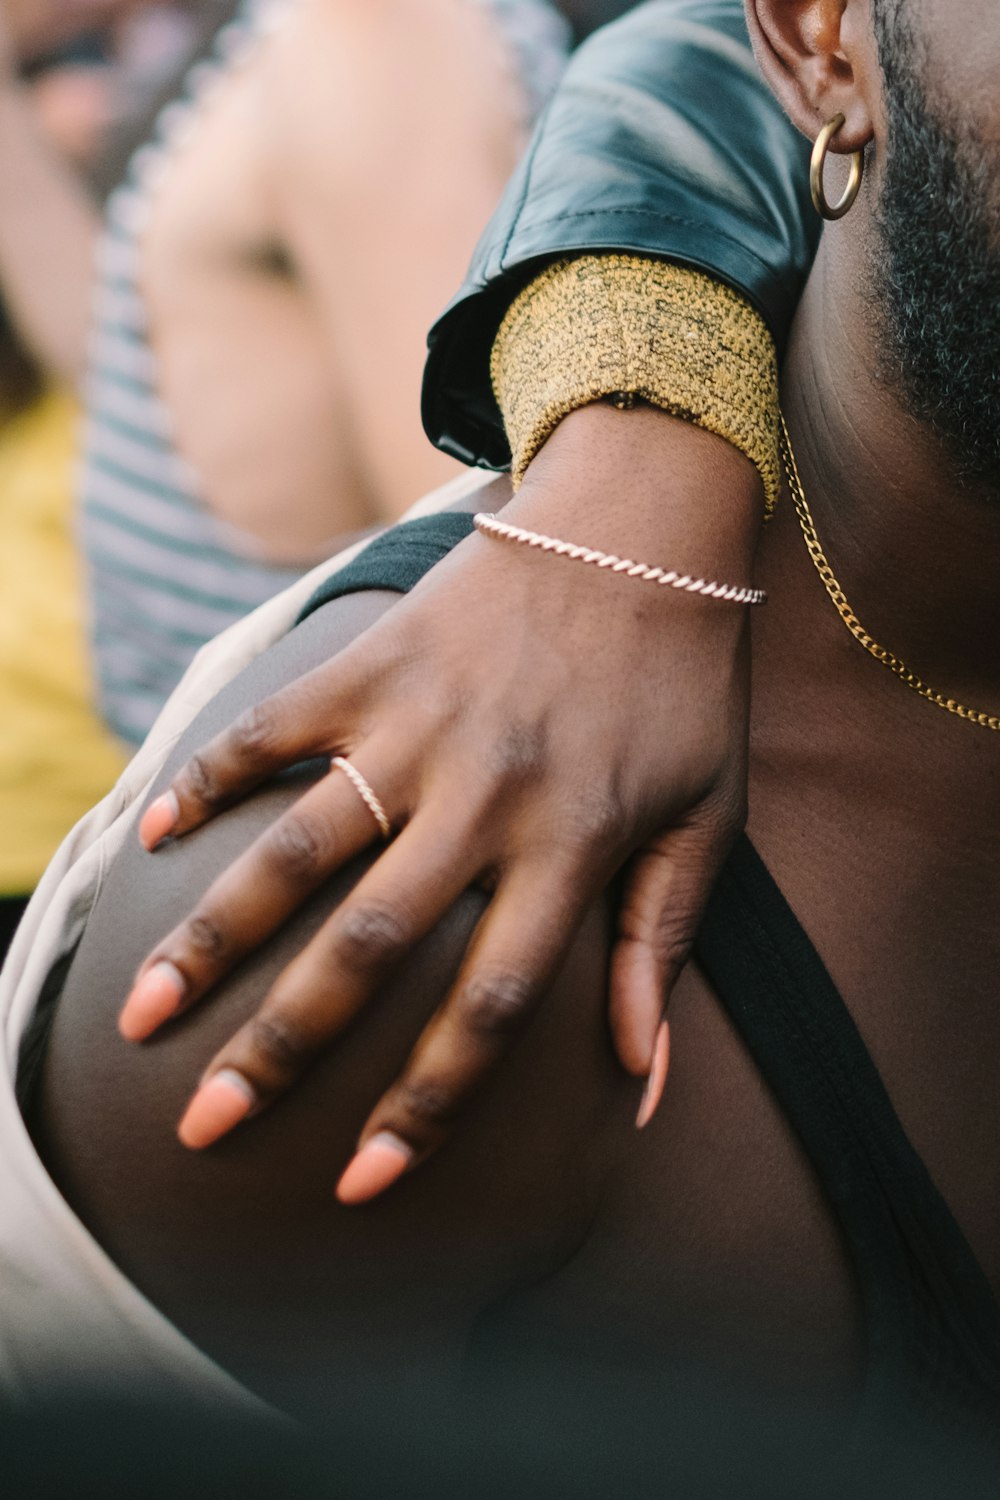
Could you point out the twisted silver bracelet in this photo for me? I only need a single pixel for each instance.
(489, 525)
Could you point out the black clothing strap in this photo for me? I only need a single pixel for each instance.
(932, 1323)
(395, 560)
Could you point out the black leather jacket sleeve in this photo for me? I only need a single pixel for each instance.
(662, 140)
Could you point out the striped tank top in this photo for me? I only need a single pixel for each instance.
(165, 574)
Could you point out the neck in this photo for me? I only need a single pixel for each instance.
(915, 554)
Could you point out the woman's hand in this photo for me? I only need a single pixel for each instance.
(530, 725)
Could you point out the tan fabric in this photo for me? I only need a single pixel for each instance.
(66, 1311)
(623, 325)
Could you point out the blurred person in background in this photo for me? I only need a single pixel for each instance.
(290, 273)
(108, 75)
(267, 270)
(56, 757)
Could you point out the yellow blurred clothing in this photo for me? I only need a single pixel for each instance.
(56, 757)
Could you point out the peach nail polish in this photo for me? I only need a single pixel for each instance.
(159, 820)
(376, 1167)
(222, 1102)
(657, 1077)
(154, 999)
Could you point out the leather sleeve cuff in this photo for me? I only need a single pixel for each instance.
(610, 325)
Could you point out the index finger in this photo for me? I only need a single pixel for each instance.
(292, 725)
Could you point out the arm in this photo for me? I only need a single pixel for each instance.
(621, 746)
(662, 141)
(394, 129)
(48, 232)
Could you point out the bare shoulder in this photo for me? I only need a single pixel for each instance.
(244, 1246)
(356, 71)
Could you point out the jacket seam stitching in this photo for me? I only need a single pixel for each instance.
(642, 213)
(529, 167)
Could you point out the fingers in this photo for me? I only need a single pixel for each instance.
(511, 964)
(656, 1082)
(667, 887)
(402, 897)
(278, 732)
(328, 826)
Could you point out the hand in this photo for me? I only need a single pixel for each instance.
(531, 725)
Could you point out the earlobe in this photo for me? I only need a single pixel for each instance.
(815, 56)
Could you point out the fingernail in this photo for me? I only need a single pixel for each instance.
(376, 1167)
(657, 1077)
(159, 819)
(222, 1102)
(154, 999)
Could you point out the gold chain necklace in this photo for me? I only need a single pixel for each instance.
(881, 653)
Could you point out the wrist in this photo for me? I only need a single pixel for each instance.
(645, 485)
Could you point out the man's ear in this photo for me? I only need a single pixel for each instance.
(820, 59)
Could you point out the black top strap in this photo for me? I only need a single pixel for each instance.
(930, 1314)
(396, 560)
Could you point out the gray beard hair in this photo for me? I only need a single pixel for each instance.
(936, 289)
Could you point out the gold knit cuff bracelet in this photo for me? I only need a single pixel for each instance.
(623, 325)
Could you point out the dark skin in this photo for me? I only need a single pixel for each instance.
(706, 1235)
(283, 1268)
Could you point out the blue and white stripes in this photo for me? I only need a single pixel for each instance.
(165, 574)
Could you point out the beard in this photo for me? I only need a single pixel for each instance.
(937, 264)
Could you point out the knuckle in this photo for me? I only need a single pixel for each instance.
(724, 814)
(279, 1044)
(732, 814)
(427, 1103)
(676, 950)
(456, 702)
(673, 937)
(253, 733)
(597, 818)
(201, 780)
(372, 936)
(517, 751)
(294, 848)
(496, 1005)
(205, 937)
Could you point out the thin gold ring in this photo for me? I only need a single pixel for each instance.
(821, 150)
(365, 792)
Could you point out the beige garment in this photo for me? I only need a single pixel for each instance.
(67, 1313)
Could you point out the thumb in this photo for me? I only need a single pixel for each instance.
(666, 888)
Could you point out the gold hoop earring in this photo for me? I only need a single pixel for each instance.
(820, 201)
